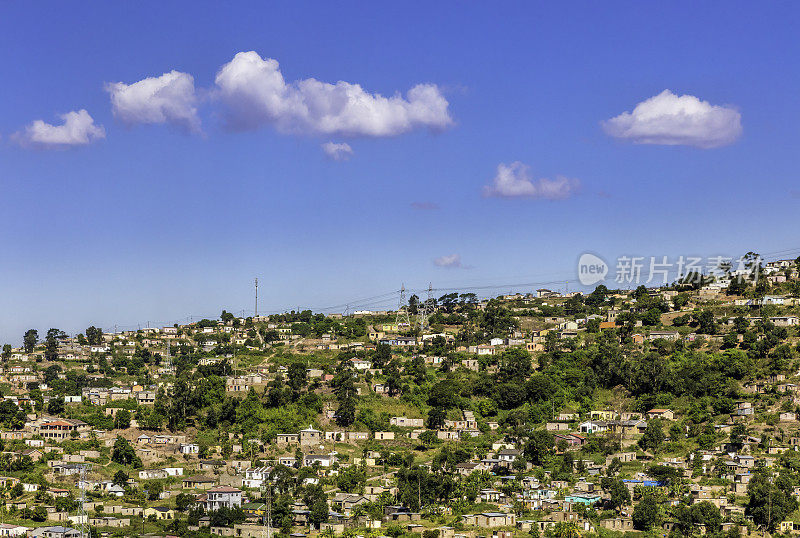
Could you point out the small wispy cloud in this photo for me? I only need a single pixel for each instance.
(78, 129)
(425, 206)
(337, 151)
(451, 261)
(672, 120)
(515, 181)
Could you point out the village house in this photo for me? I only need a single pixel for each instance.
(255, 477)
(665, 414)
(324, 460)
(222, 497)
(664, 335)
(489, 520)
(345, 502)
(159, 512)
(310, 436)
(198, 482)
(403, 422)
(286, 439)
(593, 426)
(61, 429)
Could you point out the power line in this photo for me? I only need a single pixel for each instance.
(388, 298)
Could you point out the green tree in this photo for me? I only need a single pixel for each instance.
(770, 499)
(706, 514)
(30, 340)
(51, 342)
(652, 317)
(124, 454)
(120, 478)
(413, 305)
(39, 514)
(351, 480)
(381, 355)
(345, 390)
(653, 436)
(184, 501)
(738, 434)
(646, 513)
(318, 513)
(56, 405)
(618, 492)
(122, 420)
(515, 366)
(11, 416)
(94, 336)
(315, 498)
(298, 375)
(539, 447)
(393, 379)
(436, 417)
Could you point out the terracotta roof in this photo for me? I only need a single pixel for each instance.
(198, 478)
(224, 489)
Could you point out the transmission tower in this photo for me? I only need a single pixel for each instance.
(402, 310)
(168, 360)
(266, 527)
(427, 310)
(83, 517)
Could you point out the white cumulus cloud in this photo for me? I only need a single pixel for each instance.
(78, 129)
(169, 98)
(515, 181)
(451, 261)
(255, 94)
(337, 151)
(670, 119)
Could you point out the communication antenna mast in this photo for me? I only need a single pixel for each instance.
(256, 314)
(427, 309)
(402, 310)
(83, 517)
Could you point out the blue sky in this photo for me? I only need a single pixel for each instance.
(154, 211)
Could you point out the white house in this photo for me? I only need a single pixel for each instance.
(174, 471)
(216, 498)
(255, 477)
(7, 529)
(593, 426)
(324, 460)
(190, 448)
